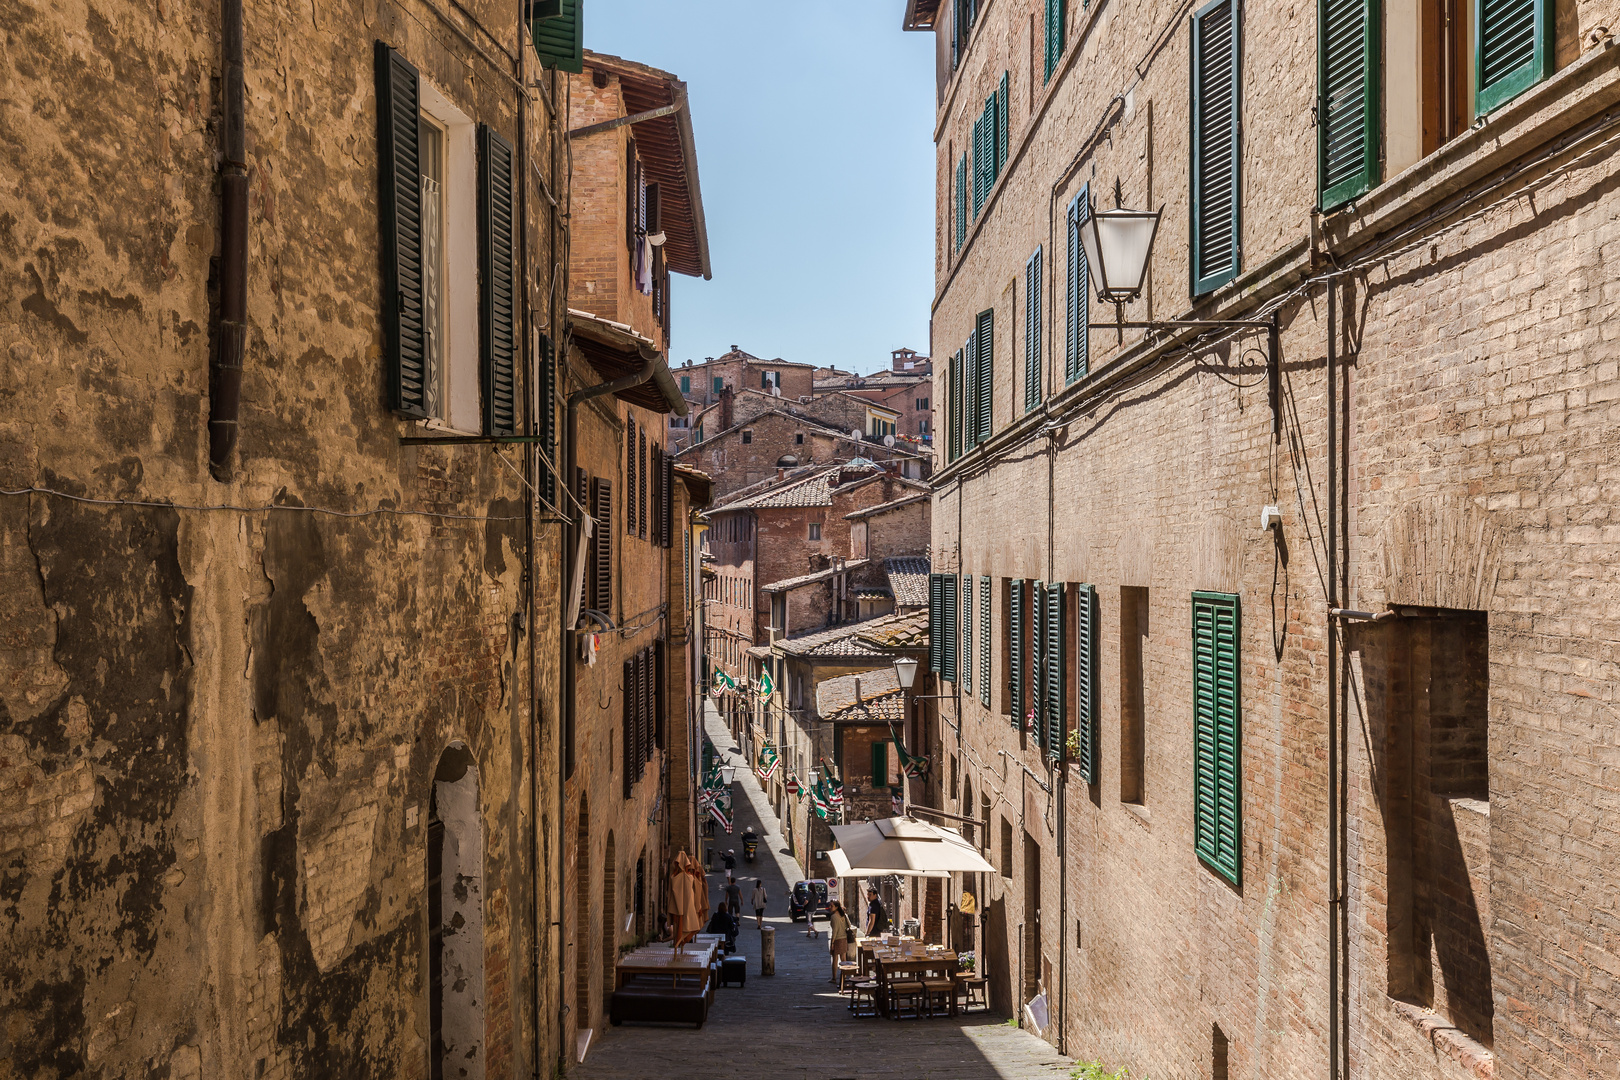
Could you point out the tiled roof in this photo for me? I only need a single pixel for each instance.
(876, 638)
(908, 577)
(815, 490)
(897, 632)
(867, 696)
(872, 594)
(789, 584)
(759, 652)
(884, 508)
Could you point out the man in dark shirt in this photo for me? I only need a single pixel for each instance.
(733, 896)
(877, 919)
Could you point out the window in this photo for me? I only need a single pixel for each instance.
(1077, 293)
(989, 144)
(640, 692)
(1006, 866)
(769, 380)
(558, 38)
(1217, 735)
(954, 413)
(748, 435)
(686, 384)
(1347, 128)
(961, 200)
(1219, 1051)
(1133, 633)
(1032, 331)
(967, 633)
(798, 438)
(922, 404)
(922, 427)
(630, 501)
(1051, 715)
(719, 384)
(984, 642)
(942, 625)
(1018, 648)
(445, 206)
(1216, 146)
(1087, 667)
(979, 380)
(1054, 36)
(815, 530)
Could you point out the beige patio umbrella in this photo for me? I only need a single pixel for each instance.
(904, 847)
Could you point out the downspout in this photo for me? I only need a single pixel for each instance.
(230, 335)
(1062, 768)
(561, 149)
(1335, 900)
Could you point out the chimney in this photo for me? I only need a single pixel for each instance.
(725, 407)
(857, 689)
(781, 474)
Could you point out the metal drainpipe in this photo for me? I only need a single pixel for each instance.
(558, 304)
(1062, 772)
(1335, 900)
(225, 368)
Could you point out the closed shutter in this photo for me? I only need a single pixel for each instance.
(1217, 714)
(970, 392)
(1054, 35)
(967, 632)
(1032, 331)
(547, 378)
(643, 507)
(649, 697)
(1015, 677)
(661, 685)
(1347, 112)
(1077, 294)
(497, 292)
(666, 499)
(1512, 49)
(961, 200)
(954, 417)
(583, 494)
(627, 732)
(1038, 657)
(1003, 104)
(947, 660)
(602, 506)
(981, 173)
(1216, 142)
(985, 336)
(400, 202)
(1057, 713)
(880, 765)
(560, 39)
(630, 477)
(984, 641)
(1086, 668)
(936, 627)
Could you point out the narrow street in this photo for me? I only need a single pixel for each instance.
(793, 1024)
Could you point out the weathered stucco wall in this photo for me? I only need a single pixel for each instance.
(220, 719)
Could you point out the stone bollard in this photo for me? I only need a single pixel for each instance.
(767, 950)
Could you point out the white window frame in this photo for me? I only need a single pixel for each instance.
(457, 395)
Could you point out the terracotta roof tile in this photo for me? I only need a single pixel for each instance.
(865, 696)
(908, 577)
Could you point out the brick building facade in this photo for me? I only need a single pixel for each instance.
(1244, 836)
(276, 747)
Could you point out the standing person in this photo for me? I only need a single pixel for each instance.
(758, 899)
(877, 917)
(840, 933)
(734, 896)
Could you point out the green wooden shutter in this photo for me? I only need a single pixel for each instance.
(1085, 680)
(1347, 109)
(560, 38)
(547, 378)
(880, 765)
(954, 416)
(400, 203)
(1217, 718)
(1216, 146)
(1003, 100)
(1038, 657)
(936, 634)
(1032, 331)
(1057, 711)
(967, 632)
(970, 392)
(984, 641)
(985, 335)
(1015, 677)
(980, 175)
(497, 290)
(1054, 36)
(961, 200)
(1512, 49)
(947, 660)
(1077, 294)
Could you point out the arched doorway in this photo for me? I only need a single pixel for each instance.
(582, 918)
(610, 920)
(456, 919)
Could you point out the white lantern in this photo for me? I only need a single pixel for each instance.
(1118, 243)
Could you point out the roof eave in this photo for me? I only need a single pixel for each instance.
(683, 123)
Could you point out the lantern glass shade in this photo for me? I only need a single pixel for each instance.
(1118, 243)
(905, 669)
(728, 773)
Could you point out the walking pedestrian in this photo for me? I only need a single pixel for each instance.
(840, 934)
(877, 916)
(759, 901)
(733, 896)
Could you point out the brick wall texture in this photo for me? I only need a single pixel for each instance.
(1475, 393)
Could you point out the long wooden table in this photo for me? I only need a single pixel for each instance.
(692, 960)
(892, 964)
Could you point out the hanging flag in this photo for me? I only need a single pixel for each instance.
(818, 800)
(768, 762)
(722, 679)
(722, 814)
(766, 686)
(913, 766)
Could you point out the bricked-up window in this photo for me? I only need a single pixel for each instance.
(1077, 293)
(1216, 145)
(1133, 636)
(1430, 684)
(1032, 331)
(1217, 734)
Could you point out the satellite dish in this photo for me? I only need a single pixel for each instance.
(888, 440)
(855, 433)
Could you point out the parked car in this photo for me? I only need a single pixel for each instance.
(809, 899)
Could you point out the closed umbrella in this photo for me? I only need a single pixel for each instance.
(905, 847)
(689, 897)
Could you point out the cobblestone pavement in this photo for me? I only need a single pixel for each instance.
(793, 1026)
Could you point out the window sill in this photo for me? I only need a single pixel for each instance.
(1141, 813)
(1536, 117)
(1445, 1039)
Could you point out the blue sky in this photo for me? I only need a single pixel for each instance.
(814, 128)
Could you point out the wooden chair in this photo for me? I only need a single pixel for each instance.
(863, 997)
(903, 994)
(937, 995)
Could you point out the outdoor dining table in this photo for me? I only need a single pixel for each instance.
(897, 963)
(693, 960)
(866, 946)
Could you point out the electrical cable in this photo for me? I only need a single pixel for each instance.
(155, 504)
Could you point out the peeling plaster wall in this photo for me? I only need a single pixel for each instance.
(218, 727)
